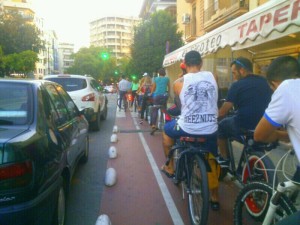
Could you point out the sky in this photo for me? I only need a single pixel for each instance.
(70, 18)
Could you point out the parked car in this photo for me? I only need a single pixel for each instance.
(43, 136)
(86, 92)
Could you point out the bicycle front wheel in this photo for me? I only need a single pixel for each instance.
(198, 195)
(252, 203)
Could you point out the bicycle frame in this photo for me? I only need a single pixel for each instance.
(282, 188)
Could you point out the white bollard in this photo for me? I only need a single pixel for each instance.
(110, 177)
(112, 152)
(103, 220)
(114, 138)
(115, 129)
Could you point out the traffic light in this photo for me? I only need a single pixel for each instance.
(116, 72)
(133, 77)
(104, 55)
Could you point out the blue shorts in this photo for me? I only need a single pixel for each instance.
(210, 144)
(228, 128)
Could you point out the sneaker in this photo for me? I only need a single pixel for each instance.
(224, 163)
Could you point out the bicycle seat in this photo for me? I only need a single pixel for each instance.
(193, 139)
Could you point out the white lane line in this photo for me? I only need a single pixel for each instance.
(177, 220)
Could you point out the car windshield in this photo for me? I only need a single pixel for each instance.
(15, 104)
(70, 84)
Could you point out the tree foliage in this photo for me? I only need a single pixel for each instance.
(89, 61)
(18, 35)
(150, 42)
(19, 44)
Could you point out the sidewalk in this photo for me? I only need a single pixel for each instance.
(142, 195)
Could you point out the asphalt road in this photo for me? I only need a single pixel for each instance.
(84, 200)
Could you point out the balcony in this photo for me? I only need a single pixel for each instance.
(225, 11)
(189, 32)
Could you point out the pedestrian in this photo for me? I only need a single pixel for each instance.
(249, 95)
(283, 75)
(160, 93)
(123, 87)
(134, 88)
(144, 93)
(197, 92)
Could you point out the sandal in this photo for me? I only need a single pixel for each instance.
(163, 169)
(215, 206)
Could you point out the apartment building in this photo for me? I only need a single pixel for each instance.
(23, 7)
(151, 6)
(65, 51)
(222, 30)
(113, 33)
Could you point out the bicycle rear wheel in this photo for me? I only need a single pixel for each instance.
(252, 203)
(198, 194)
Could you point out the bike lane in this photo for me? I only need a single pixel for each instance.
(142, 195)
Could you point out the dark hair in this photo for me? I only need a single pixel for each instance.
(123, 76)
(192, 58)
(242, 62)
(283, 67)
(162, 72)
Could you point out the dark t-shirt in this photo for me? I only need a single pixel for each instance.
(250, 96)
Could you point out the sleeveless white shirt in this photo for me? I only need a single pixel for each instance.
(199, 109)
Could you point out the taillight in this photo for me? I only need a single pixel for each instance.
(19, 173)
(88, 98)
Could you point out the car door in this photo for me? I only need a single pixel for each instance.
(79, 123)
(65, 124)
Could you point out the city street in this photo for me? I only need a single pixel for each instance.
(142, 194)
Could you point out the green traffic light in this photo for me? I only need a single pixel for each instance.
(104, 55)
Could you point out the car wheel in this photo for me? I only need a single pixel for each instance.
(60, 209)
(96, 124)
(104, 113)
(85, 156)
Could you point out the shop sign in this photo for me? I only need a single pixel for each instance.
(261, 21)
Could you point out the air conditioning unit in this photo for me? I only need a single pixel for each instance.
(186, 18)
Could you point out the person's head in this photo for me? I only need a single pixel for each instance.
(161, 72)
(241, 67)
(282, 68)
(193, 61)
(123, 76)
(145, 74)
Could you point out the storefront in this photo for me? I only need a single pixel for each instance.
(271, 30)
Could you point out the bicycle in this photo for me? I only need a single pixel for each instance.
(268, 206)
(252, 153)
(191, 167)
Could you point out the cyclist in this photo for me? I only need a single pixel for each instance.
(134, 88)
(249, 95)
(283, 76)
(123, 86)
(160, 93)
(144, 94)
(197, 92)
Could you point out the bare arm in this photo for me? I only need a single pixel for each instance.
(266, 132)
(223, 111)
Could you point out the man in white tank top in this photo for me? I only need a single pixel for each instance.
(197, 93)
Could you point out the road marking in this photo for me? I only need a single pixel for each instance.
(177, 220)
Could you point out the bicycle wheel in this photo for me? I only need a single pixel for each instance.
(161, 119)
(253, 201)
(264, 170)
(198, 194)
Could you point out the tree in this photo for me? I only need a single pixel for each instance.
(18, 35)
(150, 42)
(94, 61)
(21, 63)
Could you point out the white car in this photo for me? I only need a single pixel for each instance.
(86, 92)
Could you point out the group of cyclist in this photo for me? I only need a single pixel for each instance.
(256, 109)
(261, 104)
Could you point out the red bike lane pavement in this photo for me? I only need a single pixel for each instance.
(142, 195)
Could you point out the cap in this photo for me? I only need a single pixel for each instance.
(182, 66)
(145, 74)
